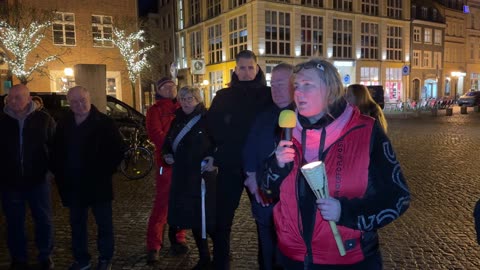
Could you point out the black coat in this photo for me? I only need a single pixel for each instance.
(184, 207)
(231, 116)
(24, 156)
(85, 157)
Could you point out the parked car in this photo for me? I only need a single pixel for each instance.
(377, 92)
(125, 116)
(470, 98)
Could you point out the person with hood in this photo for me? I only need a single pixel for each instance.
(186, 146)
(88, 148)
(159, 118)
(25, 141)
(229, 119)
(366, 186)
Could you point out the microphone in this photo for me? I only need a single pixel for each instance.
(287, 120)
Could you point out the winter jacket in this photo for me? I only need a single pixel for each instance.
(25, 145)
(231, 115)
(363, 174)
(158, 120)
(85, 157)
(185, 191)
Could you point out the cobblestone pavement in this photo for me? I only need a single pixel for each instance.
(439, 156)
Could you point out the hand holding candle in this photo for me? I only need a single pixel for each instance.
(316, 177)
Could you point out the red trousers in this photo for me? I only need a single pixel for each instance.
(158, 217)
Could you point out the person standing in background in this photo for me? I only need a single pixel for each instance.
(229, 120)
(358, 95)
(88, 148)
(158, 120)
(260, 144)
(25, 140)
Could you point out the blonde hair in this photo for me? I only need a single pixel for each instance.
(366, 104)
(195, 91)
(328, 74)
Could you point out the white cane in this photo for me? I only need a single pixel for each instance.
(203, 192)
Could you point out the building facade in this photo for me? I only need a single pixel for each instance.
(473, 46)
(427, 37)
(368, 40)
(78, 37)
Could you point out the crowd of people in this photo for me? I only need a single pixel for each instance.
(205, 159)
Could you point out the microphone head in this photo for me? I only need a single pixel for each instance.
(287, 119)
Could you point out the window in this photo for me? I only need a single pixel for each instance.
(102, 31)
(214, 8)
(369, 76)
(370, 7)
(394, 8)
(394, 43)
(416, 58)
(342, 38)
(196, 45)
(180, 14)
(437, 60)
(427, 59)
(312, 35)
(182, 51)
(427, 35)
(194, 12)
(216, 82)
(313, 3)
(393, 84)
(424, 13)
(472, 51)
(64, 29)
(417, 37)
(343, 5)
(369, 41)
(215, 43)
(238, 35)
(437, 38)
(236, 3)
(277, 33)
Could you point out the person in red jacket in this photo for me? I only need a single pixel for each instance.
(366, 186)
(159, 118)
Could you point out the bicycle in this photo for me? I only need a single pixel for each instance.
(138, 160)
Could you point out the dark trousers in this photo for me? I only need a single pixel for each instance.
(105, 240)
(202, 244)
(229, 191)
(14, 208)
(267, 237)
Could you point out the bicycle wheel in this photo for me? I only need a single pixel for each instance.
(138, 162)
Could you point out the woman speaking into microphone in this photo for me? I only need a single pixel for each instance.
(366, 187)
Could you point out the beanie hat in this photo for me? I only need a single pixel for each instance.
(163, 81)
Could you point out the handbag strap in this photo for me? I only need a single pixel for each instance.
(184, 131)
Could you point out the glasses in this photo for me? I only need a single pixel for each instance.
(308, 65)
(187, 99)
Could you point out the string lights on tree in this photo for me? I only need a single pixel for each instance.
(19, 43)
(135, 59)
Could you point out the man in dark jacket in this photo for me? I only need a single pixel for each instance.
(261, 142)
(87, 150)
(25, 143)
(231, 114)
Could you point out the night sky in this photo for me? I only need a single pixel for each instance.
(145, 6)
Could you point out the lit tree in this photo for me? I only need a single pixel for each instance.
(19, 42)
(135, 59)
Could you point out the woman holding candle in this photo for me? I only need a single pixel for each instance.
(366, 187)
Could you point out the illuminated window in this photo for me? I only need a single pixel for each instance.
(64, 29)
(102, 31)
(277, 33)
(238, 35)
(342, 38)
(312, 35)
(427, 35)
